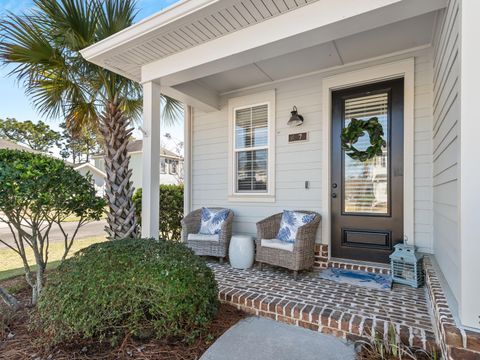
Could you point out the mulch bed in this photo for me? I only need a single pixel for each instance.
(17, 341)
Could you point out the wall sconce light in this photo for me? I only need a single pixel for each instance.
(295, 118)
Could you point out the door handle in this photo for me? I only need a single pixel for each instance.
(334, 195)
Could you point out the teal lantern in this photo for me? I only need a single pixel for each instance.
(406, 265)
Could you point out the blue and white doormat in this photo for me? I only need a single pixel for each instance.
(358, 278)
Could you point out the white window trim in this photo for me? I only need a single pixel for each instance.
(267, 97)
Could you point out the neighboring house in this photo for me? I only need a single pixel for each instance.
(171, 165)
(98, 176)
(241, 66)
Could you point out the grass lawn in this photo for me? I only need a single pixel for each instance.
(11, 264)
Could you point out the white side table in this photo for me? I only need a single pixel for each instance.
(241, 251)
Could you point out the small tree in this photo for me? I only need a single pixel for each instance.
(36, 193)
(37, 136)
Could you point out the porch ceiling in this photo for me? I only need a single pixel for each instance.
(402, 35)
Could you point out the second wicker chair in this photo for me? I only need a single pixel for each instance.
(297, 256)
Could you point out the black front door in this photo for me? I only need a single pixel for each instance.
(367, 196)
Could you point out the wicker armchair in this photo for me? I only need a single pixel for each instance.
(191, 225)
(303, 254)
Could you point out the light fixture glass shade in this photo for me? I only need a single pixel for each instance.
(295, 118)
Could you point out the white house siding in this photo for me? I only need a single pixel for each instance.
(136, 166)
(300, 162)
(446, 115)
(98, 180)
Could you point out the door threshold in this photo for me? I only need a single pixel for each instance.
(359, 265)
(360, 262)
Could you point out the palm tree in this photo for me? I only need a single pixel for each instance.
(43, 47)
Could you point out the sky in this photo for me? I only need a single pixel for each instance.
(13, 101)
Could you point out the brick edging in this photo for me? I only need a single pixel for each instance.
(455, 342)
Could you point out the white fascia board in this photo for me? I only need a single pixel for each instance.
(307, 18)
(95, 53)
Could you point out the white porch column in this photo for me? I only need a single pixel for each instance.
(151, 161)
(469, 198)
(187, 160)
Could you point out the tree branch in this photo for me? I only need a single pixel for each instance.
(9, 246)
(9, 299)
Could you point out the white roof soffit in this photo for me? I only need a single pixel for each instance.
(181, 26)
(197, 38)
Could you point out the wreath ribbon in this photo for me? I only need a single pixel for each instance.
(355, 130)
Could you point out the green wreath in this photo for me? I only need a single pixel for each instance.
(355, 130)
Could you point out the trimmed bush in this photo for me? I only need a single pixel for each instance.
(171, 210)
(140, 287)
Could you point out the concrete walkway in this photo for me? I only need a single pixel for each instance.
(264, 339)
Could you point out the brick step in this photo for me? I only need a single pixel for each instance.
(326, 320)
(348, 311)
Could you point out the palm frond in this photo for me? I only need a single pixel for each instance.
(82, 116)
(71, 23)
(44, 48)
(132, 108)
(25, 45)
(172, 111)
(114, 16)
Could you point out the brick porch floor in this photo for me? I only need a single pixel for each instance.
(343, 310)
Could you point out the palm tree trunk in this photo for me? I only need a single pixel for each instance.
(116, 131)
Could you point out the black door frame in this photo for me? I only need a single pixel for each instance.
(378, 254)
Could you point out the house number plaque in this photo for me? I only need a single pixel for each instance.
(297, 137)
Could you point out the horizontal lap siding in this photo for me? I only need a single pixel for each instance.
(300, 162)
(446, 111)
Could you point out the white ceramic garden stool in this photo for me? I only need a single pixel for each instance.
(241, 251)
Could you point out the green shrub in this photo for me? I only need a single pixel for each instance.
(171, 210)
(141, 287)
(37, 194)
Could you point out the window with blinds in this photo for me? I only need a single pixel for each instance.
(251, 149)
(366, 183)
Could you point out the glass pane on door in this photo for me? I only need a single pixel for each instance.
(366, 184)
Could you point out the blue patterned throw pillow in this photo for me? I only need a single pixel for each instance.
(291, 221)
(212, 221)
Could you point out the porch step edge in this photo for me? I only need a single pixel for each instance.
(351, 327)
